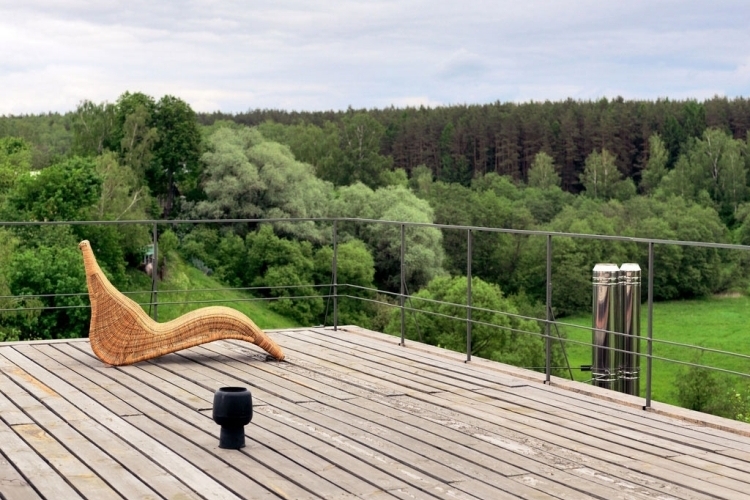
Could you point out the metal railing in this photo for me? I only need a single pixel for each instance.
(334, 294)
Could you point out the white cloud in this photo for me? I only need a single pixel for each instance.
(233, 55)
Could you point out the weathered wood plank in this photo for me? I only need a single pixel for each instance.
(361, 364)
(662, 425)
(216, 461)
(270, 373)
(354, 415)
(13, 486)
(180, 468)
(45, 479)
(9, 412)
(83, 448)
(404, 366)
(587, 445)
(263, 472)
(358, 379)
(390, 352)
(82, 478)
(603, 477)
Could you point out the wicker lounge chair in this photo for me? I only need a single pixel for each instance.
(121, 333)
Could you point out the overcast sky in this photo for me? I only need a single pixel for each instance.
(302, 55)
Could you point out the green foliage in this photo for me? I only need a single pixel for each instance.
(93, 125)
(316, 146)
(542, 173)
(656, 167)
(249, 177)
(175, 167)
(495, 335)
(15, 161)
(423, 255)
(361, 137)
(51, 270)
(135, 132)
(288, 266)
(601, 177)
(65, 191)
(184, 282)
(715, 323)
(699, 389)
(11, 321)
(356, 267)
(712, 171)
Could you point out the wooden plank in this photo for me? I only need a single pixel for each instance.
(9, 412)
(486, 450)
(45, 479)
(675, 449)
(662, 425)
(13, 486)
(389, 352)
(270, 373)
(127, 468)
(111, 471)
(357, 379)
(593, 462)
(216, 461)
(410, 381)
(596, 447)
(632, 434)
(381, 480)
(263, 473)
(82, 478)
(511, 375)
(505, 435)
(191, 475)
(427, 370)
(601, 476)
(117, 406)
(476, 459)
(571, 419)
(510, 489)
(372, 475)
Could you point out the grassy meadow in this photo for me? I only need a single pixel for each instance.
(717, 323)
(182, 276)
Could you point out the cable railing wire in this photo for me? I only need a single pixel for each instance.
(412, 300)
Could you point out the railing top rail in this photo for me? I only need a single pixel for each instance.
(525, 232)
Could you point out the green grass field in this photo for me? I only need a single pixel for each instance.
(716, 323)
(182, 276)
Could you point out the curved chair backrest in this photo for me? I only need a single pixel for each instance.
(122, 333)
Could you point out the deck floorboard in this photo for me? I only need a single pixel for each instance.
(350, 414)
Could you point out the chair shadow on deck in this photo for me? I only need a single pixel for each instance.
(121, 333)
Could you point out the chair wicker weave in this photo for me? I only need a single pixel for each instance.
(121, 333)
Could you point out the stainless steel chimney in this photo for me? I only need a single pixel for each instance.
(606, 316)
(628, 344)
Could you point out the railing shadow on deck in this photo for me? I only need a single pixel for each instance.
(405, 301)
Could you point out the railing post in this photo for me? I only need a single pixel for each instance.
(649, 327)
(335, 279)
(547, 327)
(468, 294)
(154, 275)
(403, 283)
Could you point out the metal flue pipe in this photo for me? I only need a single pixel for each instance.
(628, 344)
(606, 315)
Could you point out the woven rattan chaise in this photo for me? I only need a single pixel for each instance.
(121, 332)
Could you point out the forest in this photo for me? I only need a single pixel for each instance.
(674, 170)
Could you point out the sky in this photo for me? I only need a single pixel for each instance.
(234, 56)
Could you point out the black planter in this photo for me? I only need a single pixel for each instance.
(233, 409)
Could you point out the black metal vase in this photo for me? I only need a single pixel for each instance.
(233, 410)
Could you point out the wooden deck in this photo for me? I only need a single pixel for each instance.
(350, 415)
